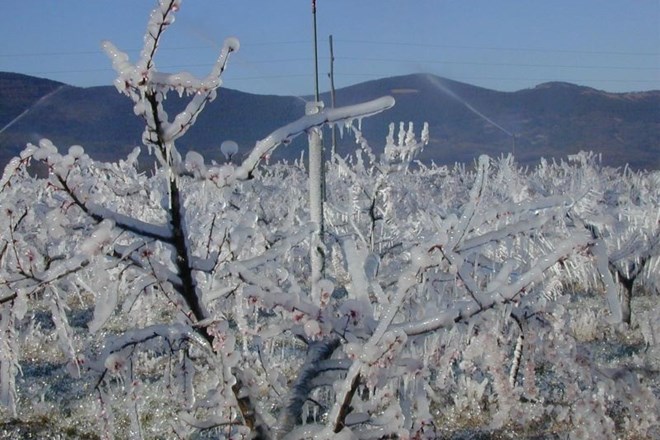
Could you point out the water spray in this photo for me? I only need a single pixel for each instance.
(27, 110)
(453, 95)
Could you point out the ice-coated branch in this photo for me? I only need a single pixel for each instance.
(504, 295)
(468, 218)
(185, 82)
(276, 250)
(9, 172)
(8, 298)
(134, 337)
(517, 352)
(159, 20)
(130, 224)
(373, 348)
(599, 251)
(203, 91)
(251, 417)
(293, 129)
(147, 87)
(506, 231)
(113, 356)
(341, 407)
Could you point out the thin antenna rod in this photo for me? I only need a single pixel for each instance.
(316, 55)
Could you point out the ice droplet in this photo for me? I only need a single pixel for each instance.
(76, 151)
(229, 149)
(232, 44)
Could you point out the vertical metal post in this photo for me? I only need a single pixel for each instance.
(316, 55)
(332, 95)
(316, 184)
(317, 97)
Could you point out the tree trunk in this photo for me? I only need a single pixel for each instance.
(626, 295)
(626, 299)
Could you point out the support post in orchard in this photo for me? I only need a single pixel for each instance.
(331, 75)
(316, 179)
(316, 54)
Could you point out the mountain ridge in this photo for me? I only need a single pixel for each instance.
(552, 119)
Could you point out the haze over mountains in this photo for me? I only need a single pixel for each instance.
(550, 120)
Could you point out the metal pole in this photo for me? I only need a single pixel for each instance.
(318, 98)
(332, 95)
(316, 55)
(316, 184)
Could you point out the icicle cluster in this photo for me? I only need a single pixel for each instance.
(407, 147)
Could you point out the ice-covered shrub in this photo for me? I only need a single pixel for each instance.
(182, 300)
(620, 211)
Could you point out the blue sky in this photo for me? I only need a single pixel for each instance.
(612, 45)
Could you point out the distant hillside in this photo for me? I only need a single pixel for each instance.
(551, 120)
(102, 120)
(19, 92)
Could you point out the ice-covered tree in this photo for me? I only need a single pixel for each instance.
(187, 301)
(151, 234)
(620, 211)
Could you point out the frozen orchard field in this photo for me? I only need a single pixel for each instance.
(182, 303)
(460, 370)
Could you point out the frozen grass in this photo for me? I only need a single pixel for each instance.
(52, 405)
(41, 428)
